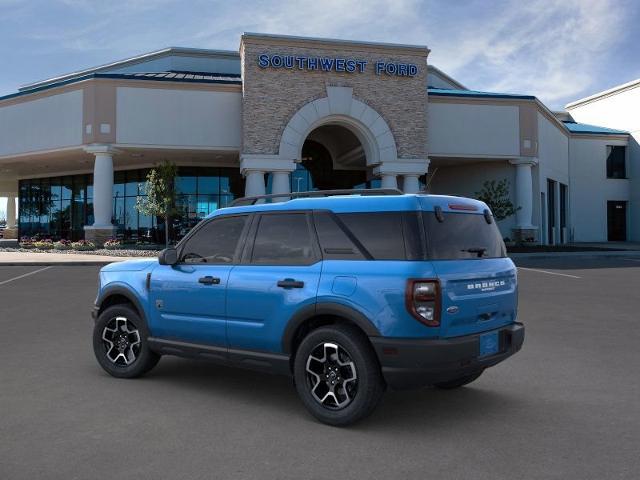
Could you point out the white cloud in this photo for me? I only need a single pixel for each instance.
(554, 49)
(542, 47)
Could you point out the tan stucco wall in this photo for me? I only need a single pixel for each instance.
(271, 96)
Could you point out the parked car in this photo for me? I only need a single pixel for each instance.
(348, 294)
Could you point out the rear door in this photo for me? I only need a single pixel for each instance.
(188, 299)
(279, 274)
(478, 281)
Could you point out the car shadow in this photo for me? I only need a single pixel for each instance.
(403, 410)
(578, 263)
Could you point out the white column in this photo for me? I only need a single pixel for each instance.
(524, 192)
(11, 211)
(103, 189)
(280, 184)
(411, 183)
(389, 180)
(254, 183)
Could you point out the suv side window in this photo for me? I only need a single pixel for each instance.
(215, 242)
(381, 234)
(283, 239)
(334, 241)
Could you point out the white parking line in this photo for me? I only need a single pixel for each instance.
(25, 275)
(550, 273)
(632, 259)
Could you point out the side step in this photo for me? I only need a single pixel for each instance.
(250, 359)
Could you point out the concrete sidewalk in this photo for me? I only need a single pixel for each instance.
(33, 258)
(587, 254)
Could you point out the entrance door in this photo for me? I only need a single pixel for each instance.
(551, 211)
(617, 221)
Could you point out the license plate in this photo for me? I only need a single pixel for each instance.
(489, 344)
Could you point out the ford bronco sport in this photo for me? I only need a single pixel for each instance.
(347, 293)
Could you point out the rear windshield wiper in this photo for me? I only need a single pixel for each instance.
(480, 251)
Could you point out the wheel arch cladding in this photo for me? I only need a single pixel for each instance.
(118, 295)
(313, 316)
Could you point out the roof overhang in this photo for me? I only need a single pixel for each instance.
(145, 57)
(605, 93)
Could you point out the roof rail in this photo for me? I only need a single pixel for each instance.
(315, 193)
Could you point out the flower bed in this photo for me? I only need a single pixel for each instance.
(83, 245)
(62, 245)
(113, 244)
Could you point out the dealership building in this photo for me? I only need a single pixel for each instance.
(292, 114)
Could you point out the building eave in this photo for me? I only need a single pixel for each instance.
(447, 77)
(116, 76)
(131, 61)
(603, 94)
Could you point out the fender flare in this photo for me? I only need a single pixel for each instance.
(325, 308)
(112, 290)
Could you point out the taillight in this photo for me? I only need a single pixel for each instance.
(423, 301)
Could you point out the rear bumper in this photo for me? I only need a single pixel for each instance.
(412, 363)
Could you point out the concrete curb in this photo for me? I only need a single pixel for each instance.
(594, 254)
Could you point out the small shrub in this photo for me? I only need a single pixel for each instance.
(26, 242)
(113, 244)
(83, 245)
(43, 244)
(62, 245)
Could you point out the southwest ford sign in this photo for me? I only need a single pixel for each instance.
(331, 64)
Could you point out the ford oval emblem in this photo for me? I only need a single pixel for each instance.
(453, 309)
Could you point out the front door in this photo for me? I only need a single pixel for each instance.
(617, 221)
(188, 300)
(279, 275)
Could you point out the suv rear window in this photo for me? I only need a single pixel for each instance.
(385, 235)
(462, 236)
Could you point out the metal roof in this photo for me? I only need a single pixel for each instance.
(187, 77)
(575, 127)
(145, 57)
(444, 92)
(176, 75)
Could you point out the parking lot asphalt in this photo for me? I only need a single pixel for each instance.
(566, 407)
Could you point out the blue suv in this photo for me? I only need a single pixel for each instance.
(347, 293)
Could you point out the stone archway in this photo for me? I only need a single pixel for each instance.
(340, 108)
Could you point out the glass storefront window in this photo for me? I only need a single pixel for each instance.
(59, 207)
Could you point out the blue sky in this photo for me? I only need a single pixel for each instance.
(557, 50)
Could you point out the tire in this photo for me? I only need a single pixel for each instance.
(120, 343)
(343, 354)
(458, 382)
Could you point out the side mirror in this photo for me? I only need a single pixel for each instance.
(168, 256)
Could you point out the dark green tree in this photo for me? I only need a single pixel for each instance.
(496, 196)
(160, 199)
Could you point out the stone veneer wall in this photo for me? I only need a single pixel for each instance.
(271, 96)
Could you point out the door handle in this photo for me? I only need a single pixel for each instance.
(209, 280)
(290, 283)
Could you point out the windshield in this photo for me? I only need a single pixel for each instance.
(462, 236)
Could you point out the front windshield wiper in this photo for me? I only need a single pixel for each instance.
(480, 251)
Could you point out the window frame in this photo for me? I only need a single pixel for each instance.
(404, 216)
(249, 244)
(239, 247)
(608, 150)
